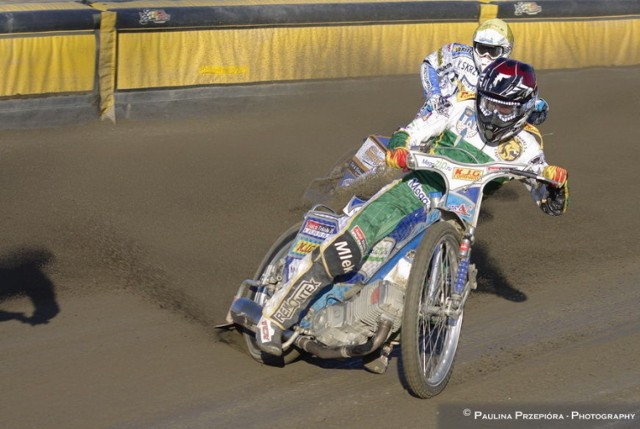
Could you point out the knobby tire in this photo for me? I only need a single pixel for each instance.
(277, 251)
(430, 338)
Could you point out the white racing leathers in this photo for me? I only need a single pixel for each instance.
(447, 71)
(458, 137)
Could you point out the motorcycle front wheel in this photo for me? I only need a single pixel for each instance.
(430, 333)
(259, 294)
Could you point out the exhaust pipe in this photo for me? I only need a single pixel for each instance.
(247, 313)
(324, 352)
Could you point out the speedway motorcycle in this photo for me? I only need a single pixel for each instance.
(409, 291)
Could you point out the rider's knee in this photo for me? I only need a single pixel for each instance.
(342, 255)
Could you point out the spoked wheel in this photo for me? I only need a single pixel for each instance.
(430, 331)
(259, 295)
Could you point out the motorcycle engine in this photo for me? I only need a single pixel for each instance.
(354, 321)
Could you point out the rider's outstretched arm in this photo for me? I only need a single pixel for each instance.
(553, 200)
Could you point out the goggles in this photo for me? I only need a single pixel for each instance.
(504, 110)
(490, 50)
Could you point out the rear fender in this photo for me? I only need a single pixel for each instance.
(453, 219)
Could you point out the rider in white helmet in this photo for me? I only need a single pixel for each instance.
(492, 39)
(454, 69)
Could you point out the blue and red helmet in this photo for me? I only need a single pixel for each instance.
(507, 92)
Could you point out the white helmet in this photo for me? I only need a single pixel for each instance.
(492, 39)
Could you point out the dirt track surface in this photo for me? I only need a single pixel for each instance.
(123, 245)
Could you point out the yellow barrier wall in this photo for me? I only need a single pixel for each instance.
(50, 61)
(145, 45)
(578, 44)
(187, 58)
(55, 64)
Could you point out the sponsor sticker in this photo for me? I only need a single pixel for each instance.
(466, 124)
(442, 165)
(153, 16)
(445, 67)
(510, 150)
(527, 8)
(370, 155)
(223, 70)
(470, 174)
(466, 90)
(377, 256)
(314, 228)
(469, 68)
(416, 188)
(303, 247)
(461, 209)
(302, 293)
(345, 256)
(373, 156)
(457, 48)
(266, 331)
(361, 239)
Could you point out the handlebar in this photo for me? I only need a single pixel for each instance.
(537, 177)
(466, 172)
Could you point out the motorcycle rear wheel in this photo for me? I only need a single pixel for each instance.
(429, 335)
(278, 250)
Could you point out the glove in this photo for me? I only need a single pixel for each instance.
(557, 200)
(553, 172)
(398, 139)
(397, 158)
(439, 104)
(539, 114)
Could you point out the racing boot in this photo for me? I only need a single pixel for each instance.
(283, 309)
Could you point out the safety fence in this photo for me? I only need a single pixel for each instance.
(108, 48)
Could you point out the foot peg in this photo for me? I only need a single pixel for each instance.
(378, 362)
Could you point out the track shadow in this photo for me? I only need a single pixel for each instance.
(346, 363)
(490, 277)
(21, 275)
(491, 280)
